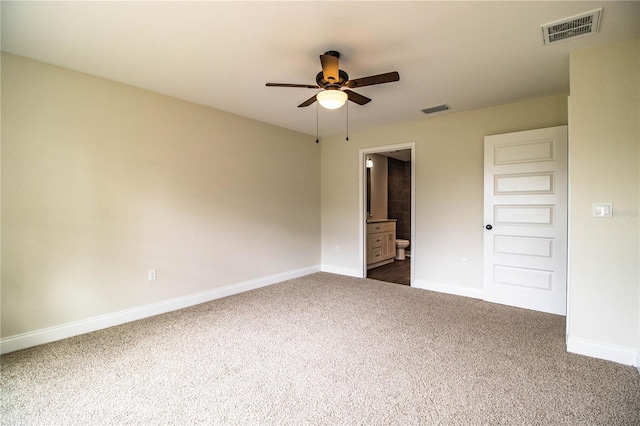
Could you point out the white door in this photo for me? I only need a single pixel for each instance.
(525, 213)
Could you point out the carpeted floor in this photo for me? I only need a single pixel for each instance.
(323, 350)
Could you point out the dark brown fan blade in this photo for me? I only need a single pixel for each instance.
(330, 68)
(374, 79)
(308, 102)
(357, 97)
(304, 86)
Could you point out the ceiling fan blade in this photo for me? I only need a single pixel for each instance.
(308, 102)
(357, 97)
(304, 86)
(330, 68)
(374, 79)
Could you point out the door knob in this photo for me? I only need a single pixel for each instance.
(489, 227)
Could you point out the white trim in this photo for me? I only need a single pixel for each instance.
(569, 206)
(619, 354)
(457, 290)
(51, 334)
(349, 272)
(638, 362)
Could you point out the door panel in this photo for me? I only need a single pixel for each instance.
(525, 248)
(526, 215)
(524, 183)
(524, 152)
(524, 277)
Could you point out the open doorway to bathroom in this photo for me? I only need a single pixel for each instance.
(388, 213)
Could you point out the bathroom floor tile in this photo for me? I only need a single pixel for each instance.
(398, 272)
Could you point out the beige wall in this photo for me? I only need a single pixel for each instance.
(102, 181)
(604, 287)
(448, 188)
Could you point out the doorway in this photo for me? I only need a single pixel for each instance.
(387, 212)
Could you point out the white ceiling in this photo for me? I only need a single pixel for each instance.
(220, 54)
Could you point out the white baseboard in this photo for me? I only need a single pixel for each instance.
(342, 271)
(619, 354)
(51, 334)
(448, 288)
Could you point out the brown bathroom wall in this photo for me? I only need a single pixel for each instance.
(399, 196)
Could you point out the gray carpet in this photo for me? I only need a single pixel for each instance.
(322, 349)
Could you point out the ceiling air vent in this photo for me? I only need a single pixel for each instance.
(574, 26)
(435, 108)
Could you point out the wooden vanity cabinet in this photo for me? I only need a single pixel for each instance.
(381, 243)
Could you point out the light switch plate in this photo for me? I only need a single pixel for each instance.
(602, 209)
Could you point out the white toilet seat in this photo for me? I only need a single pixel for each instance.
(401, 242)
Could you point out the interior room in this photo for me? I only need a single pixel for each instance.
(184, 226)
(389, 200)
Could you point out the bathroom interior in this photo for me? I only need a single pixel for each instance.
(388, 190)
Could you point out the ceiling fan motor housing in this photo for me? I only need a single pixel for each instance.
(343, 78)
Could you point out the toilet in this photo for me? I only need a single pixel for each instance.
(400, 246)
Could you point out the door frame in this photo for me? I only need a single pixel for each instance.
(362, 222)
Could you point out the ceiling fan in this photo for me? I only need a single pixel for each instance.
(336, 84)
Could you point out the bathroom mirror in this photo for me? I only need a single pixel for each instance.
(368, 192)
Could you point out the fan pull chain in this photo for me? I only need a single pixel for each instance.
(317, 138)
(347, 139)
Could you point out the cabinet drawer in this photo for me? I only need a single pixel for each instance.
(376, 255)
(388, 226)
(375, 241)
(372, 228)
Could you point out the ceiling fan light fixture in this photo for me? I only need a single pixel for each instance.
(332, 98)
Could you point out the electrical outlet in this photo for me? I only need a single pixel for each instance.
(336, 248)
(463, 262)
(152, 275)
